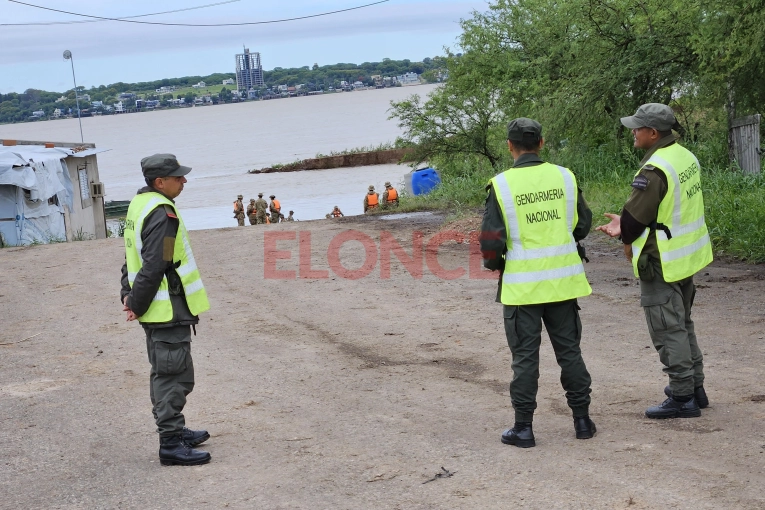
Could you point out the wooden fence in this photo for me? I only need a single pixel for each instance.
(746, 143)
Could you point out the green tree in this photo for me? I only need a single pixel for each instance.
(577, 66)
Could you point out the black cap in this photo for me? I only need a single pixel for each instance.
(523, 129)
(652, 115)
(162, 165)
(272, 196)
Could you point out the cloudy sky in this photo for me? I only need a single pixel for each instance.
(111, 51)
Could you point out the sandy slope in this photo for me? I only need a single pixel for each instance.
(339, 393)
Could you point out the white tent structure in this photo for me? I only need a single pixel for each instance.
(38, 201)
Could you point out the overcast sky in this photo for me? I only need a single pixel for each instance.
(109, 51)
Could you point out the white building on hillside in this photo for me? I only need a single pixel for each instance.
(229, 81)
(408, 78)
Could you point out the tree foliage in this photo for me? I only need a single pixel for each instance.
(577, 66)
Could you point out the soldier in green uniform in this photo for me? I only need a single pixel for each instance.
(535, 215)
(389, 196)
(162, 289)
(251, 212)
(290, 217)
(275, 208)
(371, 199)
(665, 237)
(260, 210)
(239, 210)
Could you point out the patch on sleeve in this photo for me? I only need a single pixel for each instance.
(168, 249)
(170, 212)
(641, 182)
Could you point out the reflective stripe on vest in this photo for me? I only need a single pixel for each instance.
(542, 264)
(392, 195)
(161, 309)
(682, 211)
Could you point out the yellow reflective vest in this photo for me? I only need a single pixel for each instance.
(682, 210)
(541, 264)
(161, 309)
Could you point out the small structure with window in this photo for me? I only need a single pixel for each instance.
(50, 192)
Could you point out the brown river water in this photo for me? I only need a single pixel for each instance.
(222, 142)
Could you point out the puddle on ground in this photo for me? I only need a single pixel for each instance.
(401, 216)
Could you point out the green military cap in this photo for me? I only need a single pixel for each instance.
(652, 115)
(371, 188)
(260, 194)
(272, 196)
(524, 129)
(162, 165)
(388, 184)
(252, 200)
(292, 212)
(240, 197)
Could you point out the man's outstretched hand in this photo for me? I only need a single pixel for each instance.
(613, 229)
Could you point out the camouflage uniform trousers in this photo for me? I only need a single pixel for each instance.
(260, 218)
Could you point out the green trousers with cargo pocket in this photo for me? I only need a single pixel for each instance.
(667, 307)
(523, 328)
(172, 376)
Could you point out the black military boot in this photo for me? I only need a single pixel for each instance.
(698, 393)
(521, 435)
(584, 427)
(174, 451)
(194, 437)
(672, 408)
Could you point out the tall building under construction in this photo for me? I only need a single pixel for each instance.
(249, 72)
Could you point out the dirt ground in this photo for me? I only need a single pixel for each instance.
(338, 393)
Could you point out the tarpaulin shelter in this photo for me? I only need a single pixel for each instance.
(49, 193)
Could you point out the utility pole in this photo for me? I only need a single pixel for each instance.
(68, 56)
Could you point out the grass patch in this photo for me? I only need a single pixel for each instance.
(357, 150)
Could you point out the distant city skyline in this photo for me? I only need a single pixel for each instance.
(109, 52)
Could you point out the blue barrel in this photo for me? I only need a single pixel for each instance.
(424, 180)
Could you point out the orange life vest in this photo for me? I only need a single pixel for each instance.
(276, 206)
(392, 195)
(236, 207)
(372, 200)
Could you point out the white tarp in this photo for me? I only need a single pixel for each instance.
(34, 187)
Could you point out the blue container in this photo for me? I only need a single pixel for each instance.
(424, 180)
